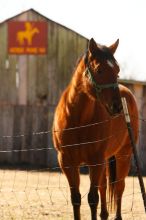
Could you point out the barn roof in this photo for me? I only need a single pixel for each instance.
(6, 19)
(34, 11)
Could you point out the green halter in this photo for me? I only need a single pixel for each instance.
(99, 87)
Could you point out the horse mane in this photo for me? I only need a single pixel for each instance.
(75, 73)
(75, 83)
(78, 61)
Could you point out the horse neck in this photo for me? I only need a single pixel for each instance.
(75, 89)
(77, 102)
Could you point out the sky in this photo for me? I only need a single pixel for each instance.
(104, 20)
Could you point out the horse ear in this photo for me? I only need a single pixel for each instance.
(92, 46)
(114, 46)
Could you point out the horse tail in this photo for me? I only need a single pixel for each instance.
(112, 180)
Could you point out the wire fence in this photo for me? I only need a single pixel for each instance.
(43, 193)
(49, 132)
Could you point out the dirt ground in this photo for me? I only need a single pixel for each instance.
(45, 196)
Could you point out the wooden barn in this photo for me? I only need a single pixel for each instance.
(34, 70)
(32, 77)
(138, 88)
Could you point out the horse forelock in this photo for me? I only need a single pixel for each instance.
(107, 56)
(105, 53)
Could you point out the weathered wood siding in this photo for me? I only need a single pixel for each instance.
(42, 77)
(139, 91)
(28, 106)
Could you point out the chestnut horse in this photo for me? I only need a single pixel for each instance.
(89, 128)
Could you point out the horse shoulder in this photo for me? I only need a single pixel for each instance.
(132, 107)
(130, 98)
(59, 121)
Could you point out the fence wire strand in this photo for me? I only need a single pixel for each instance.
(29, 148)
(68, 129)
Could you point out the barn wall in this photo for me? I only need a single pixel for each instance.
(139, 91)
(27, 108)
(42, 77)
(142, 150)
(30, 87)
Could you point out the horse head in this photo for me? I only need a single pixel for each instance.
(101, 76)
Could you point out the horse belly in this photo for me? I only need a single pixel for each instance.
(93, 142)
(119, 142)
(118, 145)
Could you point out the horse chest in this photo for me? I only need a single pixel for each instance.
(90, 112)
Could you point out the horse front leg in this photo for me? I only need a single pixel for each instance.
(96, 173)
(122, 170)
(73, 177)
(76, 203)
(118, 210)
(104, 213)
(119, 189)
(93, 199)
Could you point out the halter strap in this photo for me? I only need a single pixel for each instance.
(99, 87)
